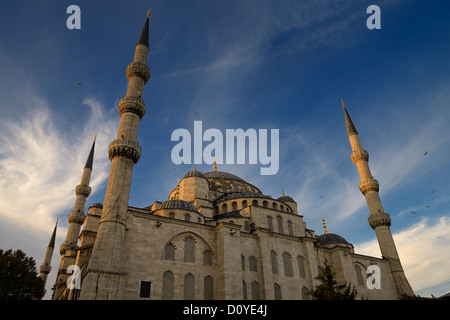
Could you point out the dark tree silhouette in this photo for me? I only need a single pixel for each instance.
(19, 279)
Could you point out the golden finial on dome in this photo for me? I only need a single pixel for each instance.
(324, 225)
(148, 13)
(215, 164)
(283, 192)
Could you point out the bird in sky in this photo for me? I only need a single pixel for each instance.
(79, 83)
(425, 153)
(413, 212)
(197, 114)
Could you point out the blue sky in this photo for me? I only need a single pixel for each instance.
(238, 64)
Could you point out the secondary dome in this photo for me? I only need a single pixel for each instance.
(221, 175)
(177, 204)
(286, 199)
(328, 238)
(194, 173)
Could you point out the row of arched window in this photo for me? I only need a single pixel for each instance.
(280, 226)
(189, 252)
(287, 264)
(189, 291)
(226, 207)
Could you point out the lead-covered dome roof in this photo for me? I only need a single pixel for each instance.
(177, 204)
(194, 173)
(328, 238)
(286, 199)
(221, 175)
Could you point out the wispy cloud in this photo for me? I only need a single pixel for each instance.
(423, 250)
(40, 165)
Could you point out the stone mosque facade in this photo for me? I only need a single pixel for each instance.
(216, 237)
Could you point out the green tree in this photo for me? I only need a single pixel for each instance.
(19, 279)
(328, 288)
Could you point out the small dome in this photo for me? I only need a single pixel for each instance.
(221, 175)
(97, 205)
(194, 173)
(286, 199)
(178, 204)
(328, 238)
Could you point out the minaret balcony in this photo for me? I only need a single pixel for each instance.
(369, 185)
(125, 148)
(138, 69)
(83, 189)
(379, 219)
(132, 104)
(359, 155)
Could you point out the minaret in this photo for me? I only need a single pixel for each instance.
(69, 248)
(379, 220)
(45, 268)
(105, 273)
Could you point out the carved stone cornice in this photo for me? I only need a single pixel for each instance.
(125, 148)
(369, 185)
(76, 217)
(379, 219)
(132, 104)
(359, 155)
(138, 69)
(83, 189)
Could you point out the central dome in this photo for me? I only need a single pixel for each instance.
(221, 175)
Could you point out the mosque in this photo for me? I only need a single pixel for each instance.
(216, 237)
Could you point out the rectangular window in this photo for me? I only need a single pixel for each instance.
(146, 288)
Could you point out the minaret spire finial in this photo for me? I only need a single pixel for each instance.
(348, 121)
(215, 164)
(148, 13)
(324, 225)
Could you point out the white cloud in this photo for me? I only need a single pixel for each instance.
(40, 165)
(423, 250)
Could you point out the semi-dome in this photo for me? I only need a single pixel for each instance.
(286, 199)
(97, 205)
(328, 238)
(177, 204)
(221, 175)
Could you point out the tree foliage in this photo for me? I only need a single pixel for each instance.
(328, 289)
(19, 279)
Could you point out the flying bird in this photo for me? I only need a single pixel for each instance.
(413, 212)
(79, 83)
(425, 153)
(197, 114)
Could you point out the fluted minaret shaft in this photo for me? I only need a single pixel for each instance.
(106, 264)
(45, 268)
(379, 220)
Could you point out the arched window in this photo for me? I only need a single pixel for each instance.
(171, 215)
(287, 261)
(253, 263)
(169, 252)
(281, 207)
(246, 226)
(358, 274)
(244, 203)
(255, 291)
(273, 260)
(274, 206)
(244, 290)
(167, 285)
(255, 202)
(265, 204)
(207, 258)
(269, 223)
(224, 208)
(234, 206)
(216, 210)
(301, 266)
(187, 217)
(208, 288)
(280, 224)
(277, 290)
(243, 262)
(189, 249)
(290, 228)
(189, 282)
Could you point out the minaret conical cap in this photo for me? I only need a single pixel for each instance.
(90, 159)
(143, 39)
(51, 244)
(348, 121)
